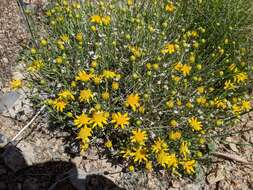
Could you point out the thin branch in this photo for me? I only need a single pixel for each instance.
(233, 157)
(28, 124)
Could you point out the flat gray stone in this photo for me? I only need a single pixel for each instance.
(8, 100)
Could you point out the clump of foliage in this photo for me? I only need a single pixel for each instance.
(147, 81)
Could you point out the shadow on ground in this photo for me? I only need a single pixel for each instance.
(15, 174)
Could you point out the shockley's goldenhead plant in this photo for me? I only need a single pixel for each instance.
(146, 81)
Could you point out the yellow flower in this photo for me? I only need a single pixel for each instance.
(120, 120)
(173, 123)
(240, 77)
(185, 69)
(105, 95)
(82, 120)
(126, 153)
(142, 109)
(139, 136)
(60, 44)
(59, 105)
(189, 166)
(96, 19)
(99, 118)
(167, 160)
(246, 105)
(97, 80)
(170, 7)
(201, 89)
(83, 76)
(43, 42)
(135, 51)
(133, 101)
(195, 124)
(174, 136)
(73, 84)
(189, 105)
(170, 104)
(93, 28)
(129, 2)
(201, 100)
(59, 60)
(169, 48)
(131, 168)
(79, 36)
(109, 74)
(159, 145)
(115, 85)
(229, 85)
(172, 162)
(108, 144)
(86, 95)
(33, 50)
(64, 38)
(192, 58)
(16, 84)
(220, 103)
(194, 34)
(139, 155)
(236, 109)
(163, 158)
(149, 165)
(184, 150)
(35, 66)
(106, 20)
(66, 94)
(84, 134)
(84, 147)
(178, 66)
(94, 63)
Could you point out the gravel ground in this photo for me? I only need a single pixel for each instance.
(39, 145)
(12, 35)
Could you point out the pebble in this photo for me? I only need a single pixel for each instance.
(5, 60)
(8, 100)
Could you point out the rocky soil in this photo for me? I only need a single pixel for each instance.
(38, 160)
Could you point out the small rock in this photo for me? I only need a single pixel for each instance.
(5, 60)
(231, 143)
(8, 100)
(13, 158)
(224, 185)
(249, 124)
(217, 175)
(192, 187)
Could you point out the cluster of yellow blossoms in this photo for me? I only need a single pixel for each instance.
(138, 83)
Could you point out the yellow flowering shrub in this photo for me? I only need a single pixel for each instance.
(148, 81)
